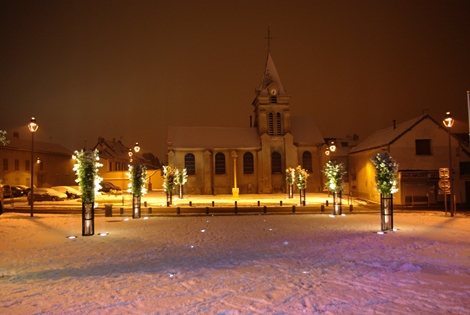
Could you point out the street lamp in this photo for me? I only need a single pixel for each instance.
(136, 169)
(449, 122)
(33, 127)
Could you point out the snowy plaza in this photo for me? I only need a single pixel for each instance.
(236, 264)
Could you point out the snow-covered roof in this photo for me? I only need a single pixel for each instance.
(213, 137)
(389, 135)
(270, 76)
(39, 146)
(112, 149)
(305, 130)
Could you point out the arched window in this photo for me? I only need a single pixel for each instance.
(248, 163)
(307, 161)
(278, 124)
(190, 164)
(270, 124)
(220, 163)
(276, 163)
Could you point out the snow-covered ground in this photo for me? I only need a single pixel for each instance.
(245, 264)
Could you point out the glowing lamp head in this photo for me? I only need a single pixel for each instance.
(136, 147)
(448, 120)
(332, 146)
(130, 153)
(33, 125)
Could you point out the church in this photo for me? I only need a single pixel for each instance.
(254, 159)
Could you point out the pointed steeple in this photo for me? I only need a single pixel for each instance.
(270, 79)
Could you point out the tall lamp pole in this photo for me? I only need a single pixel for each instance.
(33, 127)
(449, 122)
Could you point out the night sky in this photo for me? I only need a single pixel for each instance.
(128, 69)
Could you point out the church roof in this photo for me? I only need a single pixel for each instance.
(389, 135)
(305, 130)
(270, 76)
(213, 137)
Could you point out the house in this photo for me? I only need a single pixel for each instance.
(338, 151)
(53, 163)
(114, 156)
(420, 146)
(224, 160)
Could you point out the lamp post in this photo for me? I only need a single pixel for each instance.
(33, 127)
(449, 122)
(136, 169)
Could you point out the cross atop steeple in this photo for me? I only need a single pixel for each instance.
(269, 39)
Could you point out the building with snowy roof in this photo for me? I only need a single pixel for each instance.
(53, 163)
(251, 159)
(420, 146)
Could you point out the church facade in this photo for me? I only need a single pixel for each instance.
(251, 159)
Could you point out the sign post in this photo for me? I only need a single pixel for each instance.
(444, 184)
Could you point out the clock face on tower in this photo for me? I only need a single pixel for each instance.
(273, 92)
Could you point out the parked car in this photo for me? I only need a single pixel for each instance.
(19, 190)
(7, 191)
(69, 191)
(47, 194)
(109, 187)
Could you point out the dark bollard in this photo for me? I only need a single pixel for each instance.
(145, 203)
(322, 208)
(264, 209)
(258, 203)
(121, 211)
(303, 203)
(150, 210)
(212, 204)
(190, 203)
(207, 210)
(326, 203)
(167, 203)
(236, 208)
(293, 209)
(280, 203)
(350, 208)
(108, 210)
(178, 210)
